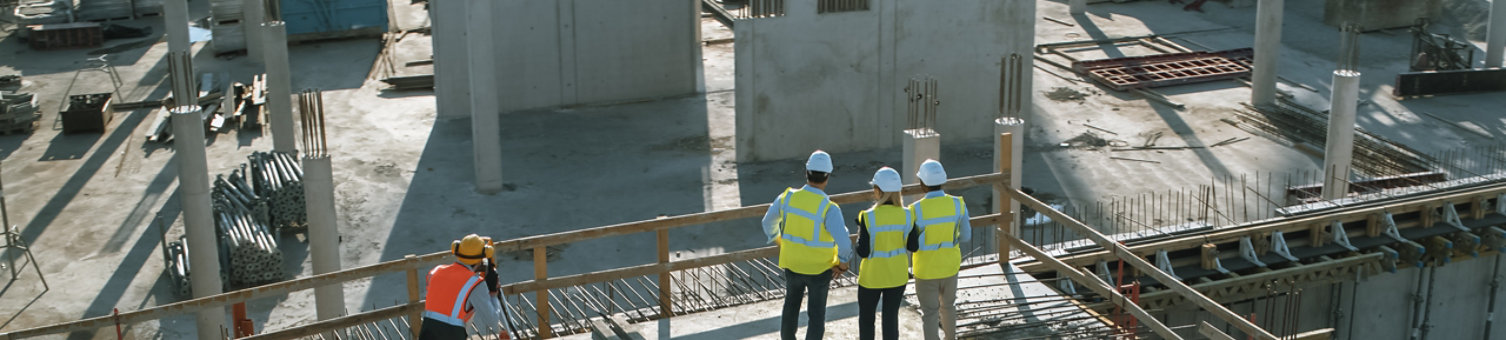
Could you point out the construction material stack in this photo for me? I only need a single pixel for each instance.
(253, 253)
(279, 178)
(225, 17)
(86, 112)
(99, 10)
(18, 112)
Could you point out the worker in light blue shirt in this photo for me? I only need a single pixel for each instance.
(814, 246)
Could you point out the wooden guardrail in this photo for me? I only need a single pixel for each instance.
(411, 264)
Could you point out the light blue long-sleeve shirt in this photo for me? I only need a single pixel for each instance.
(964, 223)
(488, 311)
(834, 224)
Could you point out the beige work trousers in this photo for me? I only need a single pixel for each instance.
(938, 304)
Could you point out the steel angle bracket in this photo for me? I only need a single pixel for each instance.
(1163, 261)
(1108, 277)
(1067, 287)
(1219, 266)
(1390, 230)
(1451, 217)
(1340, 237)
(1388, 261)
(1278, 245)
(1411, 251)
(1495, 238)
(1247, 251)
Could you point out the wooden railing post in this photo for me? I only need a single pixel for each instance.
(541, 273)
(1002, 203)
(666, 306)
(415, 316)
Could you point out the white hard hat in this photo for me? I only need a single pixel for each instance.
(819, 161)
(931, 173)
(886, 179)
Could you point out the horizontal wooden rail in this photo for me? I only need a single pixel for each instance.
(397, 266)
(341, 322)
(714, 216)
(1097, 286)
(660, 268)
(1285, 225)
(219, 300)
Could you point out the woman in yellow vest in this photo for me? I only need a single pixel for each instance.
(882, 244)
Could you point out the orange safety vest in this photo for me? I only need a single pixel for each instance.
(450, 286)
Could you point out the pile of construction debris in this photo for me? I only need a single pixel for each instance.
(18, 111)
(235, 105)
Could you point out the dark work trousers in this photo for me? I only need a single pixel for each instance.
(435, 330)
(868, 302)
(796, 287)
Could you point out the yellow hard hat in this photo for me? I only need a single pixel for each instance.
(471, 249)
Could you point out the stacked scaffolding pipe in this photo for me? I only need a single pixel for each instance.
(254, 256)
(278, 178)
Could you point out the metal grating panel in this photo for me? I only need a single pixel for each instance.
(1123, 74)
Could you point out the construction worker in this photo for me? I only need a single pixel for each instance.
(451, 301)
(814, 246)
(941, 224)
(882, 233)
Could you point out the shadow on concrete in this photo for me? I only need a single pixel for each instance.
(117, 135)
(564, 170)
(130, 265)
(9, 143)
(1097, 34)
(769, 325)
(69, 146)
(143, 209)
(359, 54)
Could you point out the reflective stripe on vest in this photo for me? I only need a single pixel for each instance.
(886, 265)
(806, 247)
(449, 287)
(925, 223)
(938, 256)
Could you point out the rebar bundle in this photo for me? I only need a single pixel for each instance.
(278, 178)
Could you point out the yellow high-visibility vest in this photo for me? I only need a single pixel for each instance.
(886, 265)
(805, 246)
(938, 256)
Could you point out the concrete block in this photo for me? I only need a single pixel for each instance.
(452, 90)
(1373, 15)
(833, 81)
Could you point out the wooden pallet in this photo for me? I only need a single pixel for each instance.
(22, 128)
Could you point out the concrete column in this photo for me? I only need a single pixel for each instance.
(452, 88)
(279, 87)
(1014, 157)
(198, 220)
(1078, 6)
(918, 146)
(181, 78)
(486, 134)
(253, 14)
(324, 233)
(1338, 154)
(1267, 52)
(1495, 40)
(175, 22)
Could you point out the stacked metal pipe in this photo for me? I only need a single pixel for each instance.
(177, 268)
(236, 192)
(253, 253)
(278, 178)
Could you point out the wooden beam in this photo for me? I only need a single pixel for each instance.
(1227, 235)
(1097, 285)
(1124, 253)
(666, 306)
(715, 216)
(343, 322)
(540, 272)
(1211, 332)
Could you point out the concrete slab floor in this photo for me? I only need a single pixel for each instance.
(403, 180)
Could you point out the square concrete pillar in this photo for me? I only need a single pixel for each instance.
(253, 14)
(918, 146)
(279, 87)
(486, 134)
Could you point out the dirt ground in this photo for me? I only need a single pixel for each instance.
(85, 202)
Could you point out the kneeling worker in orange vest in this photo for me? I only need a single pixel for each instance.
(452, 299)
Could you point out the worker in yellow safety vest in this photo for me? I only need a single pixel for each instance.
(882, 234)
(814, 246)
(452, 299)
(942, 223)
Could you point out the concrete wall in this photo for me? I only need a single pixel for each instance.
(560, 53)
(836, 81)
(569, 52)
